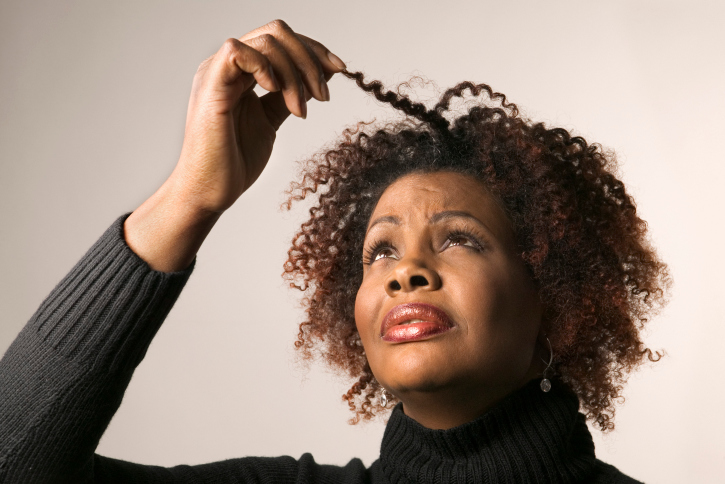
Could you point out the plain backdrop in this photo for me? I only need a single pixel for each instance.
(93, 99)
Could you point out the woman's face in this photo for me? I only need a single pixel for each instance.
(446, 306)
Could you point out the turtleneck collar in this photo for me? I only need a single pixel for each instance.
(530, 436)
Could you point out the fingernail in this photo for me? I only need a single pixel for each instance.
(325, 91)
(303, 109)
(336, 60)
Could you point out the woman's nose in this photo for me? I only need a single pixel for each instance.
(410, 275)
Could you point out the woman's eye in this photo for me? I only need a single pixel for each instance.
(463, 240)
(383, 253)
(381, 250)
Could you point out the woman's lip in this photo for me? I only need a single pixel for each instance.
(432, 321)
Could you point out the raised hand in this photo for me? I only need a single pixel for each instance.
(228, 137)
(229, 129)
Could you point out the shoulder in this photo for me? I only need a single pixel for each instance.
(608, 474)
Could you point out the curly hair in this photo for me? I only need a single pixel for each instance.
(577, 228)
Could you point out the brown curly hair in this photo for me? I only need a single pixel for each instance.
(576, 226)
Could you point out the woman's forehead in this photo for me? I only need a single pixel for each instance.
(436, 196)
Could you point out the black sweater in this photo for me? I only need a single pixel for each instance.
(64, 376)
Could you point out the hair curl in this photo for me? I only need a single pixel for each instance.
(576, 226)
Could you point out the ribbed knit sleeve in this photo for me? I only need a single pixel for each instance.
(64, 376)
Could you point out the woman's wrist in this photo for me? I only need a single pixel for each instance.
(167, 230)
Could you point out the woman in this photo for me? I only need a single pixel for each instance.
(488, 273)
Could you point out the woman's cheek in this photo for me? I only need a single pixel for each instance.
(364, 311)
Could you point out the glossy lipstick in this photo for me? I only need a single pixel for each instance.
(414, 321)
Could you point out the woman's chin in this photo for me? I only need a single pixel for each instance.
(417, 375)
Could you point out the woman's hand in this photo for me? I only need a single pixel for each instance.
(229, 129)
(229, 136)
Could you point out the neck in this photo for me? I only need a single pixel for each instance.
(447, 408)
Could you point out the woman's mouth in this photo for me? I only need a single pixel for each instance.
(413, 322)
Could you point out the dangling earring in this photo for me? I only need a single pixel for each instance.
(545, 383)
(384, 398)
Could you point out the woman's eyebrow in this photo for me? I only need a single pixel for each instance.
(449, 214)
(435, 218)
(390, 219)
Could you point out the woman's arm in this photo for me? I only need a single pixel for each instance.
(64, 376)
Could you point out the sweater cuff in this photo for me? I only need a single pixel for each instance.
(108, 308)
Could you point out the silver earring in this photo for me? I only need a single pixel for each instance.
(545, 383)
(384, 399)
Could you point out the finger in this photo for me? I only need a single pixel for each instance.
(303, 57)
(236, 59)
(275, 107)
(292, 85)
(308, 65)
(330, 62)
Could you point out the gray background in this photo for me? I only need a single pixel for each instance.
(93, 98)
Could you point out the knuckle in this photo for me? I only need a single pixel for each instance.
(230, 45)
(279, 25)
(266, 40)
(230, 53)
